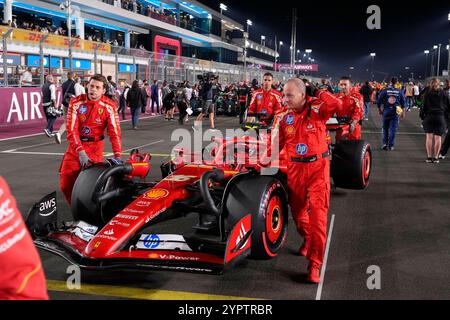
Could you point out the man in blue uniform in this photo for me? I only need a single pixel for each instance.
(391, 104)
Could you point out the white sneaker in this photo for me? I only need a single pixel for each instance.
(441, 157)
(58, 138)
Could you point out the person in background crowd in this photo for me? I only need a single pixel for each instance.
(416, 91)
(195, 98)
(366, 91)
(446, 143)
(111, 90)
(154, 97)
(85, 85)
(21, 273)
(436, 106)
(325, 85)
(243, 96)
(123, 100)
(144, 95)
(393, 102)
(206, 96)
(135, 101)
(409, 95)
(49, 104)
(188, 93)
(68, 92)
(26, 79)
(79, 89)
(169, 102)
(182, 103)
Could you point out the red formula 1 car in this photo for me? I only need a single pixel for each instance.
(118, 214)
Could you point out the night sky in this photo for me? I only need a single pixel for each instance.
(337, 33)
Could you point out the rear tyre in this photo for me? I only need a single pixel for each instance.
(265, 198)
(351, 164)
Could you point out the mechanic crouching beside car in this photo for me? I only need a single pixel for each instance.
(301, 131)
(87, 118)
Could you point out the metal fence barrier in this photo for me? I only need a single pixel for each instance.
(123, 64)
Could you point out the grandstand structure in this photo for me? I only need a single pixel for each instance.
(128, 39)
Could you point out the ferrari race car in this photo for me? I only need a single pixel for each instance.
(240, 209)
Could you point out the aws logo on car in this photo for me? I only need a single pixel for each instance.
(156, 194)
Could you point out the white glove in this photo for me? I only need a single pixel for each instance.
(84, 159)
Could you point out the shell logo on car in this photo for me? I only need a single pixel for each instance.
(156, 194)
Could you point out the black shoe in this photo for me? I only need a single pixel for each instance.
(435, 160)
(384, 147)
(429, 160)
(391, 149)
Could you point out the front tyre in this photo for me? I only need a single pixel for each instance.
(265, 198)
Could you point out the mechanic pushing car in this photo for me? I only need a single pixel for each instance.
(301, 131)
(352, 107)
(87, 118)
(21, 274)
(393, 101)
(265, 101)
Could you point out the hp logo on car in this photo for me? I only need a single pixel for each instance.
(151, 241)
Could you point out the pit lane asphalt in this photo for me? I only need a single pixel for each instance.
(400, 223)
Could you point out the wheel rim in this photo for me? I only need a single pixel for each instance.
(274, 219)
(366, 167)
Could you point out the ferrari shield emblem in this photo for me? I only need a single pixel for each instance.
(100, 111)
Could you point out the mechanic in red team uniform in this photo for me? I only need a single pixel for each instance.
(21, 274)
(353, 107)
(301, 131)
(87, 118)
(265, 100)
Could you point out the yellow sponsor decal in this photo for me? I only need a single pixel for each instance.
(97, 244)
(34, 37)
(290, 130)
(156, 194)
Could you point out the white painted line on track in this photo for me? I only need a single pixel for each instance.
(145, 145)
(37, 134)
(33, 153)
(324, 266)
(26, 136)
(15, 151)
(397, 133)
(32, 146)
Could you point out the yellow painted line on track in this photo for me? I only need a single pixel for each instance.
(136, 293)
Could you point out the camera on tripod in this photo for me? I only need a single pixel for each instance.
(207, 77)
(55, 112)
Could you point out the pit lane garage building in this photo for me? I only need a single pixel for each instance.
(141, 39)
